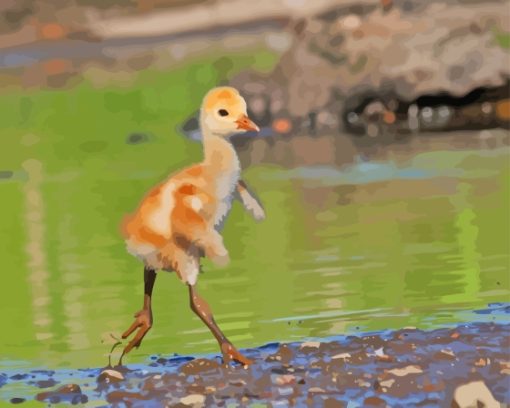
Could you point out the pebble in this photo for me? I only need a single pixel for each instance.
(381, 356)
(193, 400)
(374, 402)
(119, 396)
(310, 344)
(46, 383)
(474, 394)
(362, 383)
(445, 355)
(403, 371)
(333, 403)
(110, 376)
(387, 383)
(285, 379)
(237, 383)
(341, 356)
(384, 358)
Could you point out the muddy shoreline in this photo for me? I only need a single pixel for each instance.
(401, 368)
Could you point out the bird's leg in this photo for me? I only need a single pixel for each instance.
(143, 318)
(202, 310)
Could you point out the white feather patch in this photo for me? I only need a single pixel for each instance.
(196, 204)
(159, 220)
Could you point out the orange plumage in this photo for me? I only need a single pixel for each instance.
(180, 219)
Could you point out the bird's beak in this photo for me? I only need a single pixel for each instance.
(245, 123)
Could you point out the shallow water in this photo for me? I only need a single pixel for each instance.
(375, 245)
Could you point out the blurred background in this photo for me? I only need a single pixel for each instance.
(383, 165)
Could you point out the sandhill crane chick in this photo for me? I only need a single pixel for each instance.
(180, 219)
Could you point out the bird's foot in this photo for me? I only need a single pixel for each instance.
(230, 354)
(143, 322)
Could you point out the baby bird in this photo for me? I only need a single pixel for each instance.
(180, 219)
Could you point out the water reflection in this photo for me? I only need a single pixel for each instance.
(35, 250)
(73, 275)
(388, 243)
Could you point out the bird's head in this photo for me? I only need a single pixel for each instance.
(224, 114)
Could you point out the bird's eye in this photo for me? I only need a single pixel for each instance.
(223, 112)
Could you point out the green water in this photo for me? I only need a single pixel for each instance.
(394, 244)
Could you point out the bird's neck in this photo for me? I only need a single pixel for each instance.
(219, 154)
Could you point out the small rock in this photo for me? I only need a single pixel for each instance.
(455, 335)
(473, 394)
(444, 355)
(385, 358)
(193, 400)
(333, 403)
(123, 396)
(69, 389)
(387, 383)
(110, 376)
(374, 402)
(19, 377)
(316, 390)
(341, 356)
(310, 345)
(403, 371)
(46, 383)
(381, 356)
(285, 379)
(362, 383)
(237, 382)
